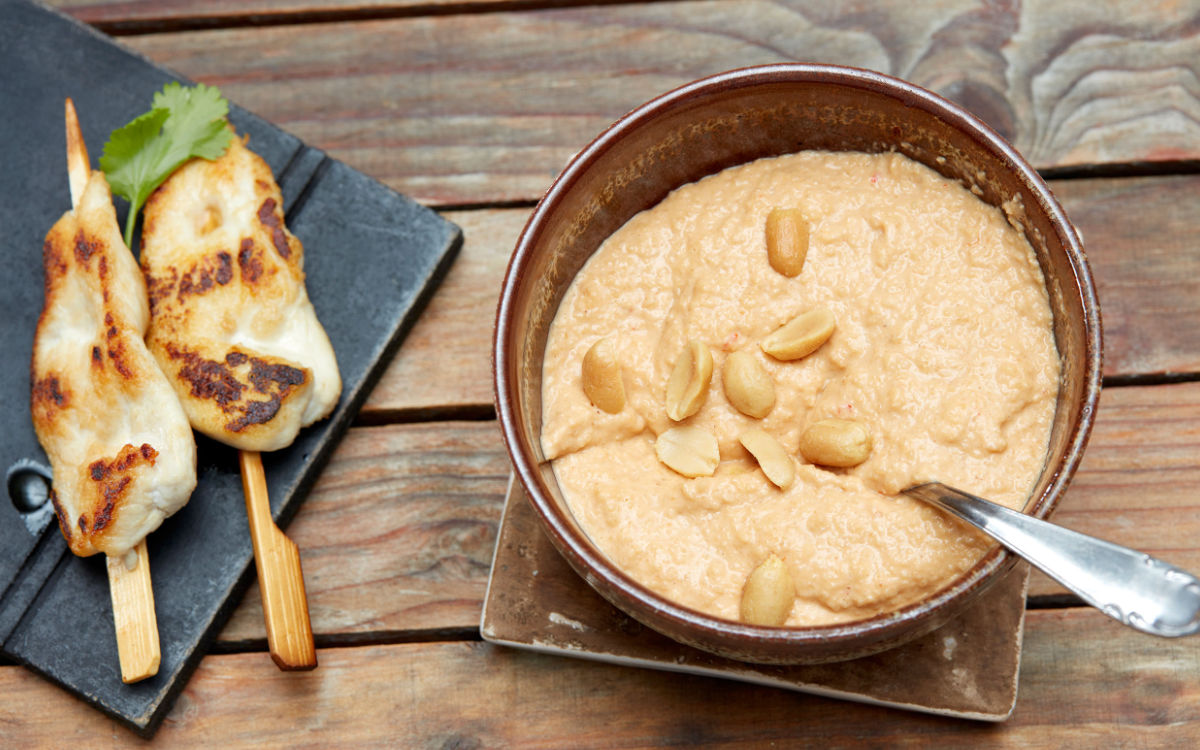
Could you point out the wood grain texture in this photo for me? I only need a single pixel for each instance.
(1140, 236)
(142, 14)
(135, 619)
(461, 108)
(279, 575)
(1137, 483)
(1070, 83)
(446, 360)
(1084, 683)
(396, 537)
(1141, 239)
(398, 534)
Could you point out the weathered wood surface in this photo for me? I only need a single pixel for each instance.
(446, 360)
(1137, 483)
(1140, 234)
(1085, 682)
(478, 108)
(141, 16)
(1142, 237)
(479, 103)
(397, 536)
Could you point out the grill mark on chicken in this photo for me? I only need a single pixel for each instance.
(49, 389)
(189, 285)
(249, 262)
(263, 376)
(85, 248)
(208, 379)
(200, 278)
(63, 522)
(54, 263)
(266, 215)
(217, 382)
(113, 478)
(257, 412)
(111, 495)
(126, 459)
(102, 271)
(116, 352)
(160, 286)
(224, 268)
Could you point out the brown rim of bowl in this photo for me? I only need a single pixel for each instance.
(578, 546)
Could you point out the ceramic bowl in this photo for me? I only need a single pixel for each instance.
(733, 118)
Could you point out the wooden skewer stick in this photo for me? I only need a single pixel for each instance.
(280, 579)
(134, 617)
(79, 169)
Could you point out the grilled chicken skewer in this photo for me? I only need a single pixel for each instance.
(233, 328)
(119, 443)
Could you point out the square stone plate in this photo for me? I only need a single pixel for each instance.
(966, 669)
(372, 256)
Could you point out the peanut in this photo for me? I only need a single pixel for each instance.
(771, 457)
(602, 377)
(768, 594)
(688, 387)
(836, 442)
(690, 451)
(747, 384)
(801, 336)
(787, 240)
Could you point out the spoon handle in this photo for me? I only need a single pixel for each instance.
(1130, 586)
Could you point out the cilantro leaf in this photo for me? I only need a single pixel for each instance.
(185, 122)
(197, 124)
(131, 161)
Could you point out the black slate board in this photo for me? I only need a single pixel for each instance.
(372, 258)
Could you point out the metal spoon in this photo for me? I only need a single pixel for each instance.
(1130, 586)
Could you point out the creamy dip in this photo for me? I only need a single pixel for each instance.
(943, 349)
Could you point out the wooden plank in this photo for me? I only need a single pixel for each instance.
(446, 360)
(1070, 83)
(139, 15)
(1140, 235)
(398, 534)
(1084, 683)
(1137, 483)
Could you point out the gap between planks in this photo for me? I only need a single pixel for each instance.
(1081, 677)
(329, 641)
(152, 18)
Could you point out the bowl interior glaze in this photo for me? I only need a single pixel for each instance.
(730, 119)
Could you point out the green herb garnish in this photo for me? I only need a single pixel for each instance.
(183, 123)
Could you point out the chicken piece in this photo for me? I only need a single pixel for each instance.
(119, 443)
(231, 322)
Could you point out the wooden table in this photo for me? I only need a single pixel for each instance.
(473, 106)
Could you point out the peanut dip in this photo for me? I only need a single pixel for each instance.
(942, 350)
